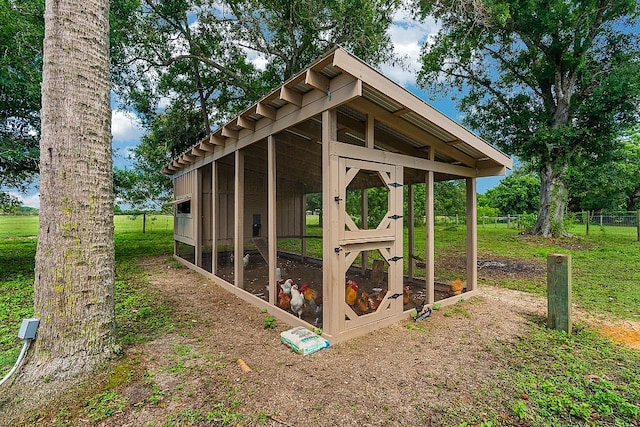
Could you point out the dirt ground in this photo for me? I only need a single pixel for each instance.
(428, 374)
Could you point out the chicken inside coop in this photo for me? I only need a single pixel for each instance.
(365, 291)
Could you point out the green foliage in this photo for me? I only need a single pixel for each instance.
(449, 197)
(104, 405)
(579, 377)
(527, 220)
(548, 82)
(611, 185)
(515, 194)
(211, 77)
(140, 315)
(21, 35)
(269, 322)
(136, 188)
(9, 203)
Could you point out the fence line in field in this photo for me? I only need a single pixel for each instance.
(24, 226)
(625, 223)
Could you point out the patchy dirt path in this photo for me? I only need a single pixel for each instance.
(434, 373)
(406, 374)
(626, 332)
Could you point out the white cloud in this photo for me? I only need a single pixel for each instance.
(408, 36)
(259, 61)
(125, 126)
(32, 201)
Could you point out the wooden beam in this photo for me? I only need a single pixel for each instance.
(271, 217)
(410, 231)
(559, 292)
(370, 134)
(227, 132)
(197, 152)
(246, 123)
(266, 111)
(429, 244)
(291, 96)
(216, 139)
(495, 171)
(344, 88)
(364, 214)
(238, 267)
(355, 152)
(196, 209)
(401, 112)
(206, 146)
(214, 217)
(317, 81)
(472, 236)
(332, 284)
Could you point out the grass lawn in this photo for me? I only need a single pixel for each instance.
(553, 373)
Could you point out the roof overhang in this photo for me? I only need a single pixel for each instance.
(338, 80)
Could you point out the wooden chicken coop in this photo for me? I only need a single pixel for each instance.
(341, 134)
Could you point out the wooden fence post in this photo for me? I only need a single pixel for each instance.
(588, 219)
(559, 292)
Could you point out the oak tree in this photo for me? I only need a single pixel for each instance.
(547, 81)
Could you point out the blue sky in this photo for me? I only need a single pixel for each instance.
(407, 36)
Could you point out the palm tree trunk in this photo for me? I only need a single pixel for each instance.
(74, 272)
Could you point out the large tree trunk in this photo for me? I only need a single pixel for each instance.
(553, 202)
(74, 272)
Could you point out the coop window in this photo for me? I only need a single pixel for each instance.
(184, 207)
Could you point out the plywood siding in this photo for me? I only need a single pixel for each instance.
(255, 202)
(206, 203)
(184, 187)
(225, 220)
(289, 205)
(289, 208)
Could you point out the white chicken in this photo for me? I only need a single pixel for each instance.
(245, 260)
(286, 286)
(297, 301)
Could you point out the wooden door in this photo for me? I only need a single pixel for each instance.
(381, 241)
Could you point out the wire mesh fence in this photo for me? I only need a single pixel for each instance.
(619, 223)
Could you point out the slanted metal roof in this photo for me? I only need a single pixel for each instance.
(339, 80)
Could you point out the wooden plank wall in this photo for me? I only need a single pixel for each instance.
(184, 186)
(225, 220)
(289, 202)
(206, 205)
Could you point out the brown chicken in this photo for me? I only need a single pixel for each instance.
(405, 295)
(314, 300)
(361, 305)
(284, 300)
(350, 292)
(310, 295)
(374, 303)
(455, 288)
